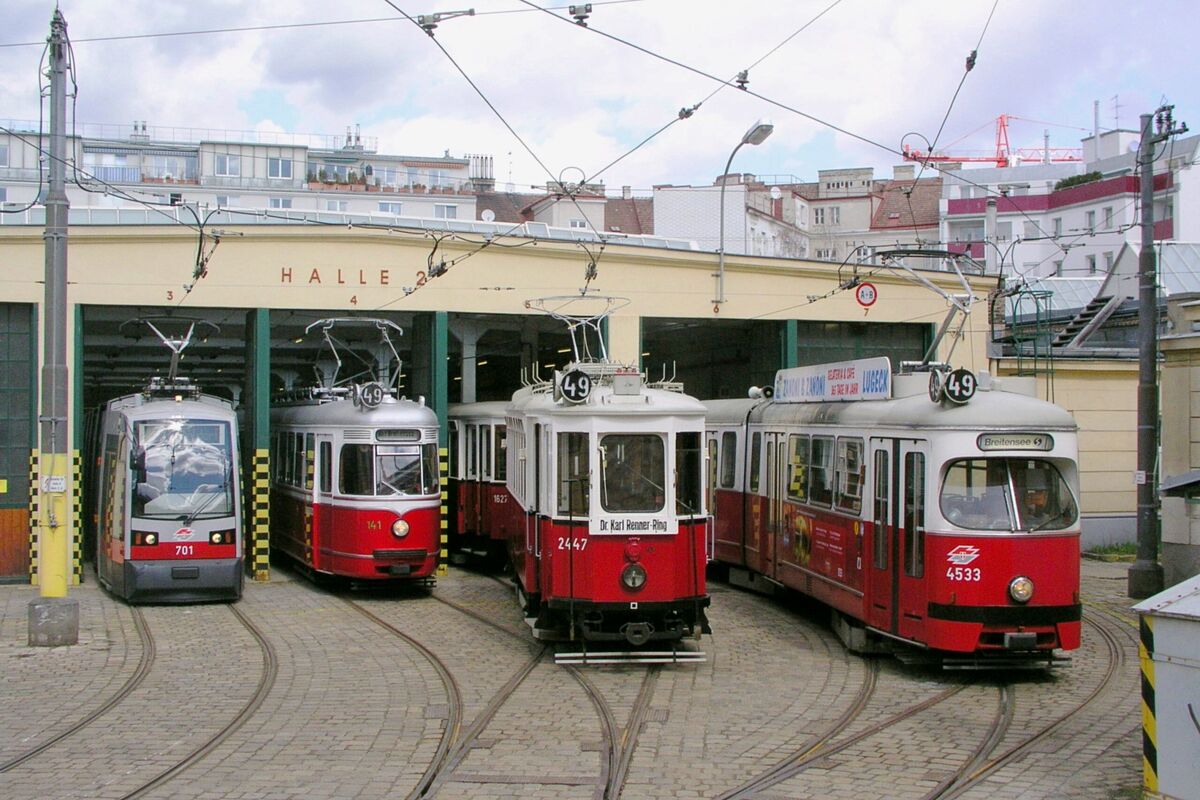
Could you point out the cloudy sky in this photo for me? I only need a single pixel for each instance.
(581, 98)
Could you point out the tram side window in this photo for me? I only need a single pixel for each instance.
(500, 436)
(573, 470)
(689, 467)
(798, 468)
(472, 436)
(287, 450)
(914, 514)
(850, 475)
(728, 459)
(882, 516)
(452, 448)
(632, 472)
(325, 467)
(755, 459)
(298, 460)
(820, 485)
(485, 452)
(309, 459)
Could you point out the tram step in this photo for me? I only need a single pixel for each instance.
(632, 657)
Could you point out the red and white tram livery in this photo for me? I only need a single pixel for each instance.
(606, 474)
(354, 484)
(481, 521)
(935, 508)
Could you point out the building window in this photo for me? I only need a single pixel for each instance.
(825, 253)
(3, 194)
(225, 201)
(228, 166)
(1031, 229)
(281, 202)
(1108, 218)
(3, 154)
(279, 168)
(818, 216)
(445, 211)
(578, 223)
(1057, 226)
(390, 208)
(1091, 264)
(337, 205)
(835, 215)
(1108, 262)
(1091, 220)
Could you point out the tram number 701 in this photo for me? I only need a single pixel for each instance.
(185, 549)
(963, 573)
(572, 543)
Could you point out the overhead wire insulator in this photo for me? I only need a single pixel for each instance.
(581, 12)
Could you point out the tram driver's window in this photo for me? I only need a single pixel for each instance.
(573, 471)
(632, 472)
(850, 475)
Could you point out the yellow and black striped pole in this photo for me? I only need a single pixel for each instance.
(1149, 724)
(444, 528)
(34, 522)
(77, 515)
(260, 529)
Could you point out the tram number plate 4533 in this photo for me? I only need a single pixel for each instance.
(963, 573)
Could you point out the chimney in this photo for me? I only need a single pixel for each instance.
(904, 172)
(626, 192)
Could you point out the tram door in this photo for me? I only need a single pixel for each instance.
(777, 482)
(470, 498)
(896, 588)
(322, 488)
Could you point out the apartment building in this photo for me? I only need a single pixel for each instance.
(117, 166)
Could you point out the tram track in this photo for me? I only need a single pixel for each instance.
(1005, 711)
(1116, 660)
(266, 682)
(145, 662)
(619, 743)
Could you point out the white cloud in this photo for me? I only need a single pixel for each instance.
(581, 99)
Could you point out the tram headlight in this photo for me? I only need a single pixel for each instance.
(1020, 589)
(399, 529)
(150, 538)
(633, 577)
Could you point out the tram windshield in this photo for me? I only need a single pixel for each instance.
(1007, 494)
(632, 472)
(182, 469)
(388, 470)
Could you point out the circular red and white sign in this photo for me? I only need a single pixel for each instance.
(866, 294)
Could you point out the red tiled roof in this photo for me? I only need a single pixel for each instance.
(507, 206)
(632, 215)
(908, 204)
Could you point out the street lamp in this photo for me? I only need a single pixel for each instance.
(757, 134)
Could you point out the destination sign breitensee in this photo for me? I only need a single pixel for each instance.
(861, 379)
(1015, 441)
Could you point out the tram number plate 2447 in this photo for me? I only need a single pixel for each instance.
(572, 543)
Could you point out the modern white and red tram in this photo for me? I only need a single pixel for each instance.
(940, 510)
(611, 538)
(354, 484)
(481, 522)
(168, 503)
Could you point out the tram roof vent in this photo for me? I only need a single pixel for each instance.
(627, 383)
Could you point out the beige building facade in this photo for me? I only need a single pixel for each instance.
(265, 282)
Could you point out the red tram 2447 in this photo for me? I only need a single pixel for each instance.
(939, 508)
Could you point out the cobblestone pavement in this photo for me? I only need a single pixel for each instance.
(352, 709)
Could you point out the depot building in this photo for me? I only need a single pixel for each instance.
(466, 297)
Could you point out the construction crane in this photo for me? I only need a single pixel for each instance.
(1004, 155)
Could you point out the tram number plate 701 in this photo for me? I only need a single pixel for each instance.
(572, 543)
(963, 573)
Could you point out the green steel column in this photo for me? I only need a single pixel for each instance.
(439, 371)
(790, 344)
(258, 439)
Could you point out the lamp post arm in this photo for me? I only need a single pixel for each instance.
(721, 226)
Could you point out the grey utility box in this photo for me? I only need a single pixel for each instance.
(1170, 627)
